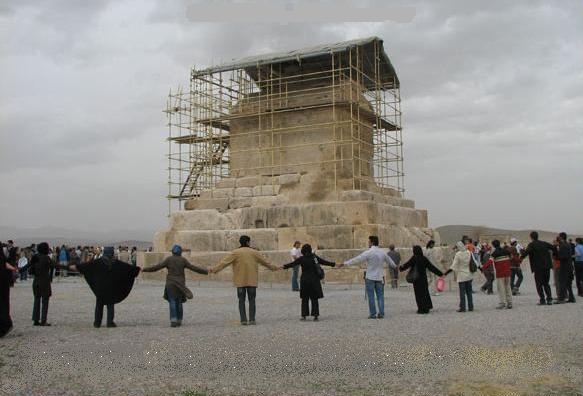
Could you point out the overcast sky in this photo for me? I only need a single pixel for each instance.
(492, 106)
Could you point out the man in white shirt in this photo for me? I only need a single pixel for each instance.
(375, 275)
(295, 254)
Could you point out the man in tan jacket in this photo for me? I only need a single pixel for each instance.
(245, 262)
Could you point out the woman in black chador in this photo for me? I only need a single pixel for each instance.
(6, 275)
(110, 280)
(42, 267)
(420, 286)
(310, 286)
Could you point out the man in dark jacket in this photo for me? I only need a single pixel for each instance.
(110, 280)
(565, 255)
(539, 255)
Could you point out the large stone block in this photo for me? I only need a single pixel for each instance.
(248, 181)
(290, 178)
(204, 241)
(243, 192)
(265, 190)
(223, 193)
(272, 200)
(243, 202)
(327, 237)
(228, 182)
(262, 239)
(203, 219)
(220, 204)
(285, 216)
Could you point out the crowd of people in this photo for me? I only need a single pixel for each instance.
(64, 255)
(110, 274)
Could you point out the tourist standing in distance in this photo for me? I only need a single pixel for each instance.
(539, 255)
(245, 262)
(396, 257)
(63, 260)
(565, 256)
(6, 275)
(42, 267)
(434, 257)
(310, 285)
(375, 259)
(578, 258)
(464, 277)
(110, 280)
(421, 264)
(500, 259)
(175, 291)
(23, 266)
(295, 254)
(515, 271)
(134, 256)
(488, 272)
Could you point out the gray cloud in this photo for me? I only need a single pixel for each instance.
(492, 94)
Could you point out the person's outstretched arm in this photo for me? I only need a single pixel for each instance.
(325, 262)
(355, 260)
(264, 262)
(229, 259)
(407, 265)
(292, 264)
(156, 267)
(432, 268)
(194, 268)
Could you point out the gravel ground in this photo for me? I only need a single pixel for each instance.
(523, 351)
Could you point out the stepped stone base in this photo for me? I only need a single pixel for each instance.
(275, 211)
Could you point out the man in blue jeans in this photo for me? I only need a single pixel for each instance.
(375, 259)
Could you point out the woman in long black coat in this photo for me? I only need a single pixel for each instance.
(42, 267)
(420, 286)
(310, 285)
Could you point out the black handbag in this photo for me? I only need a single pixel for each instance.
(412, 275)
(473, 266)
(319, 271)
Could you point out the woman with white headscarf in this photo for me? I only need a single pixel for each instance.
(464, 277)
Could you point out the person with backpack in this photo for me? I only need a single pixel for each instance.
(461, 264)
(310, 280)
(500, 259)
(375, 259)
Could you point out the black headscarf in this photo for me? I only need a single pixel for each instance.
(417, 251)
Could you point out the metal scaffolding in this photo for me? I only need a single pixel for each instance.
(344, 98)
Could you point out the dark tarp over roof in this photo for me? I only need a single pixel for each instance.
(318, 56)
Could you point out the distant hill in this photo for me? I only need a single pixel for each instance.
(450, 234)
(71, 237)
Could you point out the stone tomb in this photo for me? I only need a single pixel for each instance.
(304, 172)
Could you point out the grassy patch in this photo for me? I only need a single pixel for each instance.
(192, 392)
(547, 385)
